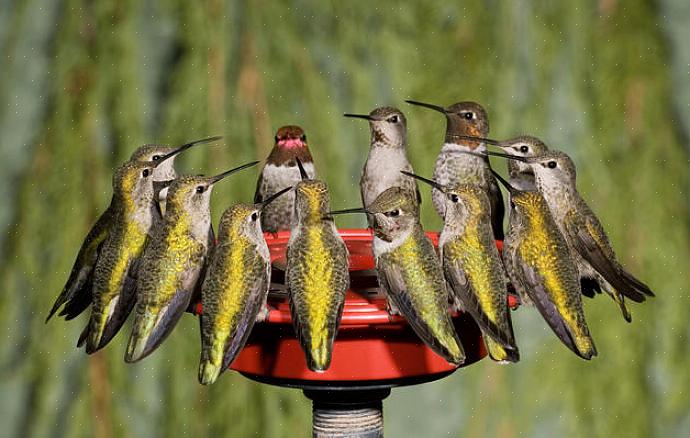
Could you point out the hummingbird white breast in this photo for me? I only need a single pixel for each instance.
(382, 171)
(278, 215)
(454, 166)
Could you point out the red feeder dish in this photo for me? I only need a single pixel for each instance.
(373, 352)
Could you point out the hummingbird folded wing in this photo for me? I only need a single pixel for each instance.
(257, 193)
(76, 295)
(152, 324)
(466, 293)
(444, 338)
(497, 209)
(588, 240)
(116, 312)
(567, 332)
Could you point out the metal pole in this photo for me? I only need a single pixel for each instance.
(347, 413)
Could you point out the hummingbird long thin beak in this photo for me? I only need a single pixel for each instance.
(348, 211)
(482, 139)
(215, 179)
(428, 105)
(359, 116)
(505, 183)
(510, 157)
(184, 147)
(273, 197)
(431, 182)
(302, 172)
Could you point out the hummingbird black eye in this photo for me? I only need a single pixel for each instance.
(454, 197)
(156, 158)
(394, 213)
(255, 216)
(276, 139)
(146, 173)
(524, 149)
(393, 119)
(552, 164)
(200, 189)
(303, 137)
(468, 115)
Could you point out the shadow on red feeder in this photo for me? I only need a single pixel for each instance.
(373, 351)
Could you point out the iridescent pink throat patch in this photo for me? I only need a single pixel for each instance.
(290, 143)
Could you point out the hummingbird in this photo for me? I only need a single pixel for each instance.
(539, 265)
(173, 261)
(387, 154)
(76, 295)
(235, 288)
(409, 271)
(555, 178)
(134, 214)
(472, 266)
(317, 272)
(280, 171)
(463, 120)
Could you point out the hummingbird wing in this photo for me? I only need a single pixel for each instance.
(429, 320)
(566, 330)
(77, 290)
(233, 294)
(467, 293)
(497, 208)
(153, 325)
(589, 240)
(257, 193)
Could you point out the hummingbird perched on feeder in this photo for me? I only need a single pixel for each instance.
(539, 265)
(555, 178)
(465, 119)
(173, 261)
(134, 214)
(409, 271)
(280, 171)
(472, 266)
(387, 154)
(235, 288)
(76, 295)
(317, 272)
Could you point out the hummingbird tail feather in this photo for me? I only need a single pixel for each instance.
(499, 353)
(83, 336)
(140, 334)
(208, 372)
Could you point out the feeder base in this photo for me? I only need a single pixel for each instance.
(353, 413)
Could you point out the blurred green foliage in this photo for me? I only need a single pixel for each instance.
(83, 83)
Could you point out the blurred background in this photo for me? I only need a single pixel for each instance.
(83, 83)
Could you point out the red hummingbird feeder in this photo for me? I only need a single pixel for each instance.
(374, 351)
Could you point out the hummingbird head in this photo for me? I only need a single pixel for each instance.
(463, 119)
(388, 126)
(245, 220)
(395, 212)
(551, 168)
(290, 142)
(241, 220)
(192, 193)
(133, 184)
(462, 200)
(522, 146)
(165, 170)
(312, 201)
